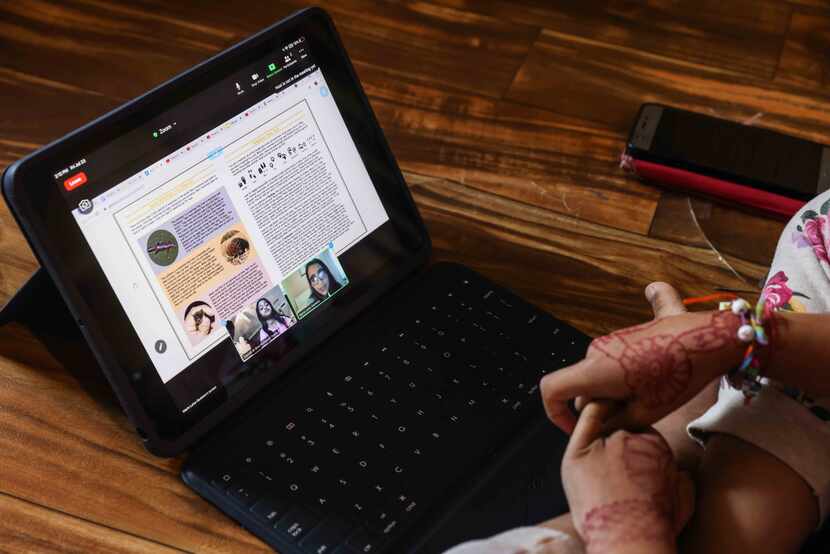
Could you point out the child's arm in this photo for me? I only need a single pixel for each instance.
(799, 355)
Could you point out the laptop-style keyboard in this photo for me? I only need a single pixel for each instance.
(351, 462)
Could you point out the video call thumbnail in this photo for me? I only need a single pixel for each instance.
(260, 322)
(314, 282)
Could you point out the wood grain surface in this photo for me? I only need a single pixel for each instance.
(507, 117)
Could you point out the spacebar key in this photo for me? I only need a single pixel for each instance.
(326, 537)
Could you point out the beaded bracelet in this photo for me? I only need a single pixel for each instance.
(747, 375)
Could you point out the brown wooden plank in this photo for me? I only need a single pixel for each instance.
(95, 46)
(424, 42)
(135, 48)
(735, 234)
(18, 260)
(531, 155)
(589, 275)
(810, 3)
(53, 109)
(584, 78)
(27, 527)
(740, 36)
(63, 450)
(673, 221)
(804, 60)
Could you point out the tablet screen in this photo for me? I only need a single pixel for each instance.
(234, 237)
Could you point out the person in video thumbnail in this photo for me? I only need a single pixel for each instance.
(273, 322)
(199, 319)
(320, 279)
(241, 343)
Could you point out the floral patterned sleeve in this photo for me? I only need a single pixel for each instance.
(799, 278)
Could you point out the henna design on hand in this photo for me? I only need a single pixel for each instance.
(647, 515)
(658, 369)
(649, 463)
(721, 331)
(646, 455)
(625, 521)
(606, 343)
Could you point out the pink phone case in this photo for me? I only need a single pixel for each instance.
(732, 193)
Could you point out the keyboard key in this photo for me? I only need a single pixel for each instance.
(326, 537)
(405, 503)
(364, 541)
(379, 518)
(269, 509)
(292, 488)
(390, 528)
(321, 501)
(223, 481)
(243, 494)
(342, 486)
(297, 523)
(357, 510)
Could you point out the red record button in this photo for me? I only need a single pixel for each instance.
(75, 181)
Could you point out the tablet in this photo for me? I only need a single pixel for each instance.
(211, 234)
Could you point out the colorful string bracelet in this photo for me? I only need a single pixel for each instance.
(747, 375)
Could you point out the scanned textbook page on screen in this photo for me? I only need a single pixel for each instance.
(293, 189)
(271, 205)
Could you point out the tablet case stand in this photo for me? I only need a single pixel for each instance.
(39, 306)
(39, 296)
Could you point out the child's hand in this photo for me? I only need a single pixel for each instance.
(624, 491)
(243, 346)
(650, 369)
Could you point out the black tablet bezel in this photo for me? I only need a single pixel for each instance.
(64, 253)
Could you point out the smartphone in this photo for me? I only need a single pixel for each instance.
(739, 164)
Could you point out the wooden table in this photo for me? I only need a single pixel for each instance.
(508, 118)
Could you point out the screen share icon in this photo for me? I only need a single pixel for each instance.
(85, 206)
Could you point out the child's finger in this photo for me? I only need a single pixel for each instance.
(588, 427)
(631, 416)
(558, 388)
(664, 300)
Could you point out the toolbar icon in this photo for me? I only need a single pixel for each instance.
(255, 76)
(238, 88)
(85, 206)
(272, 67)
